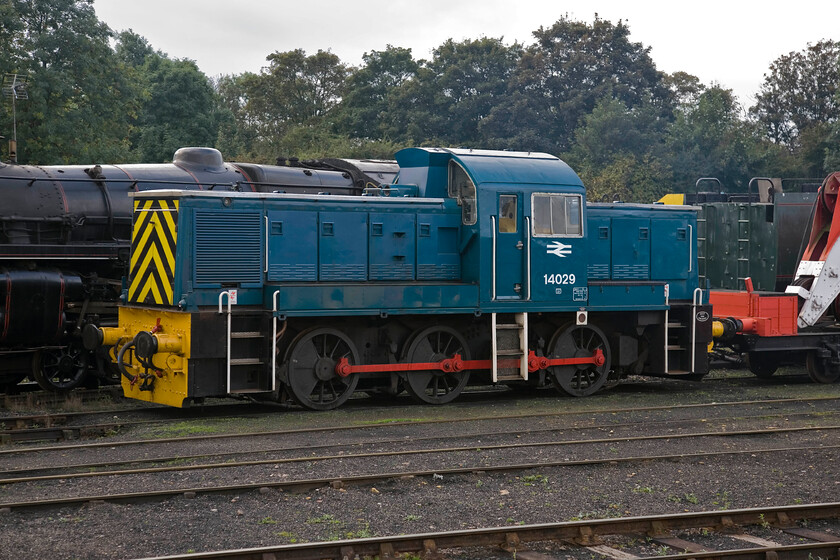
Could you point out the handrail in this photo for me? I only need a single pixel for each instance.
(696, 301)
(690, 248)
(750, 184)
(221, 297)
(274, 340)
(493, 283)
(528, 258)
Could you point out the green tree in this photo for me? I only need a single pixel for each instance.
(293, 90)
(832, 152)
(134, 49)
(180, 105)
(686, 88)
(237, 131)
(562, 76)
(455, 91)
(363, 112)
(800, 93)
(81, 100)
(710, 139)
(618, 152)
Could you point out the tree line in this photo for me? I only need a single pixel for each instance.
(583, 91)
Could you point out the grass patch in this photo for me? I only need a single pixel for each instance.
(325, 519)
(192, 428)
(290, 537)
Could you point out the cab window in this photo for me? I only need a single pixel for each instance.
(557, 215)
(462, 189)
(507, 213)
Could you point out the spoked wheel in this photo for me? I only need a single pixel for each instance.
(821, 369)
(60, 369)
(579, 341)
(311, 360)
(433, 345)
(762, 364)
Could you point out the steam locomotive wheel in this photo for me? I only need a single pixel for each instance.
(60, 369)
(311, 359)
(579, 341)
(433, 345)
(821, 370)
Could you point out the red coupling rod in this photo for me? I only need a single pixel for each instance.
(456, 364)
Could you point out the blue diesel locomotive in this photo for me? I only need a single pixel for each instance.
(474, 264)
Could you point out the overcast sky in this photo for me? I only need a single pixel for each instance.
(731, 43)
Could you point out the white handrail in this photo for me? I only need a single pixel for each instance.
(493, 224)
(528, 258)
(274, 340)
(667, 307)
(266, 245)
(690, 248)
(696, 300)
(221, 297)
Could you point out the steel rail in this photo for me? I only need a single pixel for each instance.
(409, 452)
(14, 422)
(30, 469)
(581, 533)
(430, 421)
(341, 481)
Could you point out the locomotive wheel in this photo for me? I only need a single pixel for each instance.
(579, 341)
(762, 364)
(60, 369)
(821, 370)
(311, 360)
(433, 345)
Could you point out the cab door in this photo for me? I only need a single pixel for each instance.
(510, 240)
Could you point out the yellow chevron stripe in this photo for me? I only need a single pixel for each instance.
(135, 283)
(168, 251)
(154, 240)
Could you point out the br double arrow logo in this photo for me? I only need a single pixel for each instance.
(559, 249)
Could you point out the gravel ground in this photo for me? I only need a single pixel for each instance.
(416, 505)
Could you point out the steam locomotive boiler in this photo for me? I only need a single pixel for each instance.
(65, 239)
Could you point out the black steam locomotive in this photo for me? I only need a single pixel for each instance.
(65, 238)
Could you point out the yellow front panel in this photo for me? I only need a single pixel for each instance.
(154, 238)
(169, 382)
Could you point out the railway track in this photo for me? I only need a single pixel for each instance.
(320, 475)
(340, 482)
(87, 469)
(479, 455)
(29, 398)
(524, 542)
(55, 427)
(67, 469)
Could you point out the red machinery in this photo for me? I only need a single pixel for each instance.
(777, 328)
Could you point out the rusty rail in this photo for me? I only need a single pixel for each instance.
(581, 533)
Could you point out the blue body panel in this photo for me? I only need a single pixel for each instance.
(534, 245)
(637, 244)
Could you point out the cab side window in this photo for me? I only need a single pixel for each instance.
(462, 189)
(557, 215)
(507, 213)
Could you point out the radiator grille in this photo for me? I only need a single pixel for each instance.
(228, 248)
